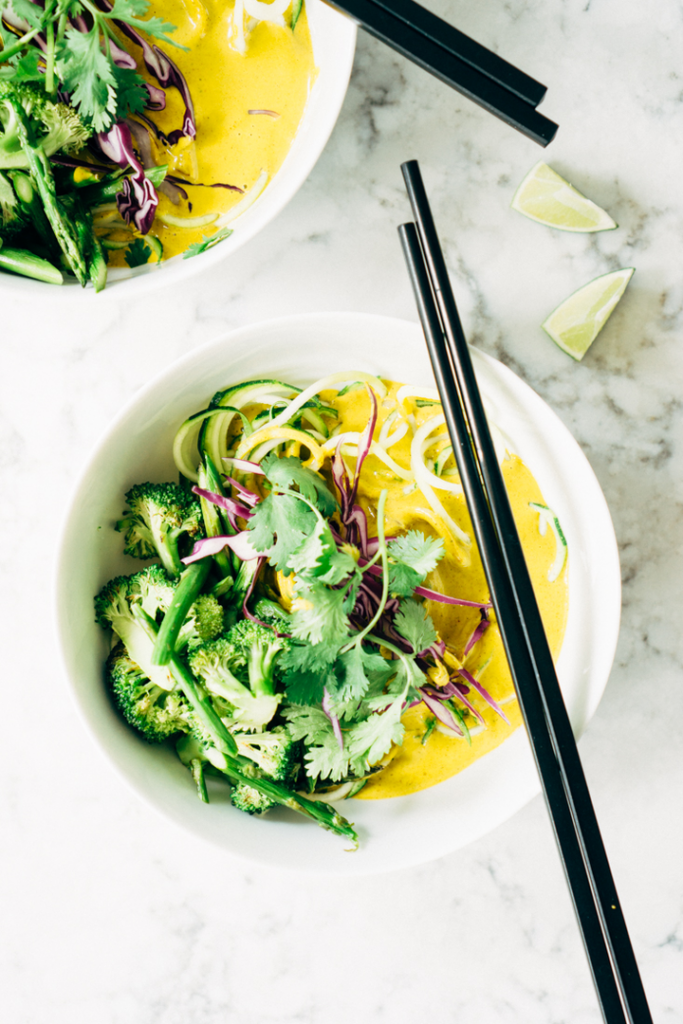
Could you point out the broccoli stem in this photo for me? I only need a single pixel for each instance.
(323, 813)
(19, 261)
(191, 581)
(39, 167)
(194, 692)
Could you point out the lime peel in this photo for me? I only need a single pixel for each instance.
(548, 199)
(575, 323)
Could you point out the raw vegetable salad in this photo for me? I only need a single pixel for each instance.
(81, 85)
(280, 634)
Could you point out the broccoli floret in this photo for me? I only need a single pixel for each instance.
(274, 752)
(219, 664)
(113, 610)
(260, 647)
(159, 516)
(56, 125)
(204, 622)
(252, 801)
(155, 712)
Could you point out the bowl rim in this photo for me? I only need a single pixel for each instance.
(609, 624)
(286, 183)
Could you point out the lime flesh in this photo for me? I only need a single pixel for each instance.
(577, 321)
(548, 199)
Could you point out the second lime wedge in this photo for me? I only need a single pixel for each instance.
(548, 199)
(577, 321)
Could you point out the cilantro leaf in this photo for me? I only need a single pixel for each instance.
(318, 558)
(327, 761)
(402, 579)
(413, 623)
(359, 670)
(131, 96)
(138, 253)
(287, 471)
(130, 11)
(279, 526)
(411, 558)
(320, 615)
(374, 737)
(323, 756)
(87, 74)
(29, 12)
(308, 669)
(27, 68)
(208, 242)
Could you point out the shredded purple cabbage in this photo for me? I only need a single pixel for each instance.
(166, 73)
(229, 505)
(237, 542)
(469, 678)
(440, 710)
(478, 632)
(138, 200)
(202, 184)
(325, 705)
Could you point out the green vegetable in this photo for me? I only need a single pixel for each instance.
(275, 752)
(100, 90)
(54, 126)
(221, 665)
(207, 243)
(138, 253)
(159, 518)
(20, 261)
(155, 712)
(191, 581)
(16, 103)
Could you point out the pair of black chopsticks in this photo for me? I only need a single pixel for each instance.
(457, 60)
(608, 947)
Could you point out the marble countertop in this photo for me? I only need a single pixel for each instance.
(110, 913)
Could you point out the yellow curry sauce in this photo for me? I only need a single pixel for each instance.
(415, 766)
(232, 146)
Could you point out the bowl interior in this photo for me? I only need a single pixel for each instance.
(396, 832)
(334, 42)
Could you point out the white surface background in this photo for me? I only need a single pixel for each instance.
(111, 914)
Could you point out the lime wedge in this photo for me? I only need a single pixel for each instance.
(577, 321)
(548, 199)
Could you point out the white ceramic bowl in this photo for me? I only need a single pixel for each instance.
(393, 833)
(334, 42)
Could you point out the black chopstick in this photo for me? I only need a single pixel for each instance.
(603, 928)
(471, 52)
(436, 57)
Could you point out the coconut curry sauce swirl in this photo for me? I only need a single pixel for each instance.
(424, 760)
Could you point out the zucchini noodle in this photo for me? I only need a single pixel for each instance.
(277, 434)
(322, 385)
(385, 439)
(422, 476)
(427, 428)
(352, 439)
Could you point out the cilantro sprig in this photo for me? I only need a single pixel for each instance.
(78, 54)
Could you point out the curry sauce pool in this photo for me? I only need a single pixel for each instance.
(248, 107)
(420, 762)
